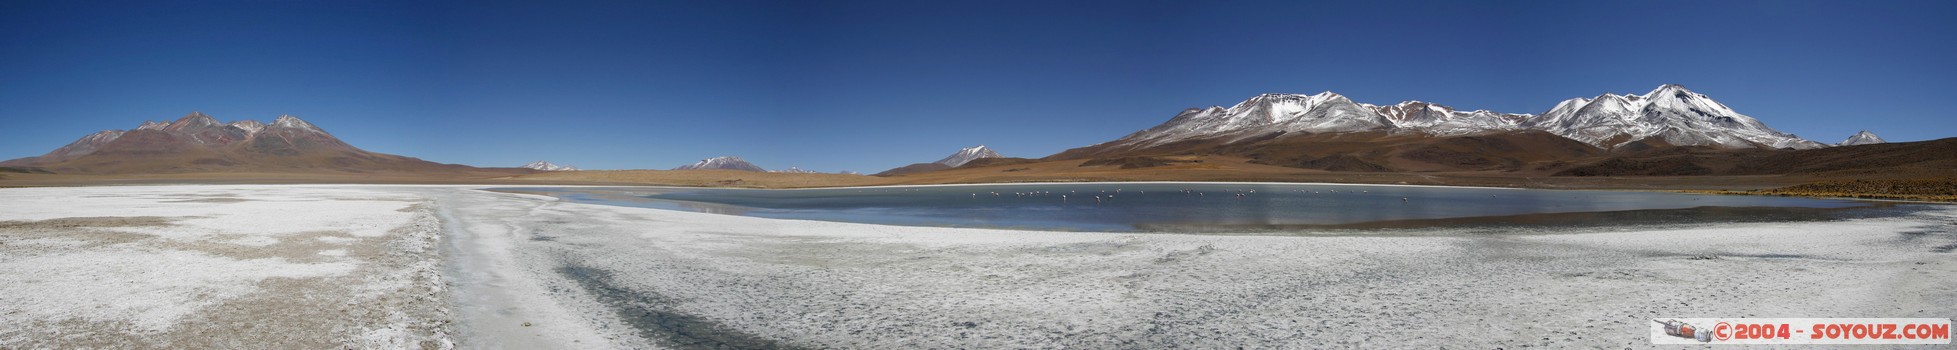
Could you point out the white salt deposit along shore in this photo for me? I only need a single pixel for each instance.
(655, 278)
(329, 266)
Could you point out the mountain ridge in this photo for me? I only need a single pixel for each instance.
(1670, 114)
(200, 143)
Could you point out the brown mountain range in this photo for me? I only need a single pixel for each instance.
(1371, 151)
(198, 143)
(1524, 158)
(1536, 153)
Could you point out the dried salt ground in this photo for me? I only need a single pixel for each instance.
(441, 266)
(219, 266)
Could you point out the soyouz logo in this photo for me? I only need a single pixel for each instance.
(1800, 331)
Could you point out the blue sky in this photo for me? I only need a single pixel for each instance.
(868, 86)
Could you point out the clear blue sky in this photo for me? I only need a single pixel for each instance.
(867, 86)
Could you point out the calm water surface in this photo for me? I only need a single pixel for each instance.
(1198, 207)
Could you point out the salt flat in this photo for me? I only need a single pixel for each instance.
(191, 266)
(220, 266)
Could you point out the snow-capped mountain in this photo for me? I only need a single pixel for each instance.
(1669, 113)
(968, 154)
(548, 166)
(1263, 114)
(1862, 138)
(963, 156)
(726, 162)
(794, 170)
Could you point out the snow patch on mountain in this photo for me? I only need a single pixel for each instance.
(1862, 138)
(548, 166)
(87, 144)
(196, 120)
(1446, 121)
(724, 162)
(288, 121)
(967, 155)
(249, 126)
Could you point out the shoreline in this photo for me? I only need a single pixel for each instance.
(1134, 182)
(1870, 197)
(1698, 185)
(1637, 218)
(569, 185)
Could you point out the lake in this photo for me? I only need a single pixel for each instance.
(1217, 207)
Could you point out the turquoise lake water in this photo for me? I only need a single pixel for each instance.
(1199, 207)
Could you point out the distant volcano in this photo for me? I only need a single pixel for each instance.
(1862, 138)
(548, 166)
(199, 143)
(724, 163)
(965, 155)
